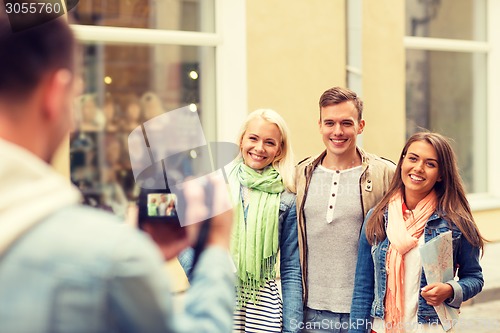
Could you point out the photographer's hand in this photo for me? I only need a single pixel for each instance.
(221, 224)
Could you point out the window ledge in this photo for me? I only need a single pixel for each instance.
(483, 201)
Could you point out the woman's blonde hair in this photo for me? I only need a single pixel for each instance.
(283, 162)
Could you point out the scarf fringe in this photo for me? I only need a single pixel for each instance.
(255, 236)
(248, 287)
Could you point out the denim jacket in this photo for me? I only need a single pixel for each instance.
(370, 281)
(291, 277)
(82, 271)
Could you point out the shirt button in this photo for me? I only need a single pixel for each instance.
(333, 194)
(369, 181)
(338, 171)
(331, 206)
(335, 183)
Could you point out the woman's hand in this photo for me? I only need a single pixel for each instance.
(436, 293)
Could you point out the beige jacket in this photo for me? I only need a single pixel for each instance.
(374, 182)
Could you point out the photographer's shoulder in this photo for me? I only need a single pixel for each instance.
(101, 235)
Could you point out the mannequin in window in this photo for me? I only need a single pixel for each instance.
(113, 153)
(152, 105)
(133, 115)
(92, 118)
(110, 113)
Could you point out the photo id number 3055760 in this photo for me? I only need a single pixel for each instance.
(14, 7)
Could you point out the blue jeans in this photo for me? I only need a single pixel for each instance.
(321, 321)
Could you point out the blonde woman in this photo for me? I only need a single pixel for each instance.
(262, 186)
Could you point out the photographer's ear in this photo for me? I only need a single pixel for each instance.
(58, 93)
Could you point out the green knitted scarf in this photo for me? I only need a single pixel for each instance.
(254, 242)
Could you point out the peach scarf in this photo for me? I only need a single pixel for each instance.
(403, 233)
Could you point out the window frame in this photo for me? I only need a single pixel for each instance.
(229, 41)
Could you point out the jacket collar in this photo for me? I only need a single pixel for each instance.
(31, 190)
(317, 160)
(433, 217)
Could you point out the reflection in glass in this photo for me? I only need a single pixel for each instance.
(124, 87)
(445, 92)
(453, 19)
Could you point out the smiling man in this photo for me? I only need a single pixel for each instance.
(335, 190)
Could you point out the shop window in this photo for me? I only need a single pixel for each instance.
(124, 87)
(142, 58)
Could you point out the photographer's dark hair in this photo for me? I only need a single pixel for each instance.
(27, 56)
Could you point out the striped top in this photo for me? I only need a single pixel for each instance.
(266, 315)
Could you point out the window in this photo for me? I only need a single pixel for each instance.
(185, 15)
(143, 58)
(448, 87)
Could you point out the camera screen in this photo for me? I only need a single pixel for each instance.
(162, 204)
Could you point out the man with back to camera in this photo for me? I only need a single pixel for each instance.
(69, 268)
(335, 190)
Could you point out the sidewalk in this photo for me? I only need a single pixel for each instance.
(491, 272)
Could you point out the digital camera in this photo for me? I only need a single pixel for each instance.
(159, 206)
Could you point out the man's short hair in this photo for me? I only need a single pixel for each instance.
(27, 56)
(337, 95)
